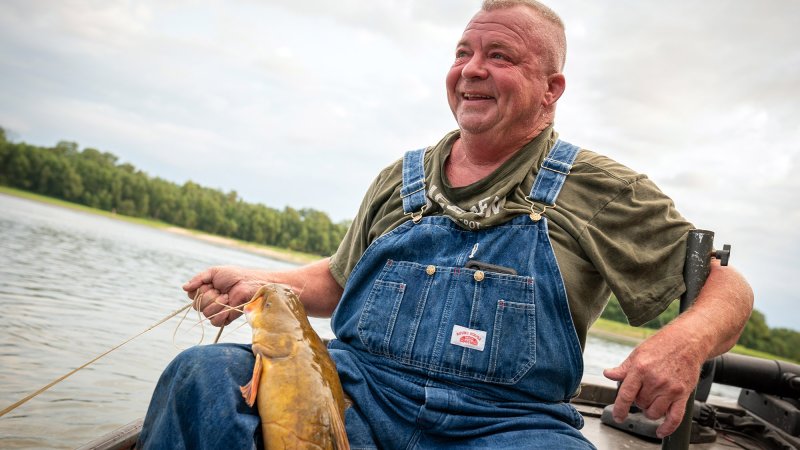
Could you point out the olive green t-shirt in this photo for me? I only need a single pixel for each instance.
(612, 229)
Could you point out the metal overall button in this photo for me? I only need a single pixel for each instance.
(430, 270)
(479, 275)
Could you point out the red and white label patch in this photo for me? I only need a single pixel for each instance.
(468, 338)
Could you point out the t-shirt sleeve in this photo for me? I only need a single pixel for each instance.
(637, 241)
(357, 238)
(354, 242)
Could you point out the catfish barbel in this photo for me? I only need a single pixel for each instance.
(300, 398)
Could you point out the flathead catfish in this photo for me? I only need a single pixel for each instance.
(300, 398)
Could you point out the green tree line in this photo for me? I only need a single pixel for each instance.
(97, 179)
(757, 335)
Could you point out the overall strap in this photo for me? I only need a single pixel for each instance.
(551, 177)
(413, 190)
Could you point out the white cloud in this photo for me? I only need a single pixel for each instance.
(241, 95)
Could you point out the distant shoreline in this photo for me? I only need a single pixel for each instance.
(270, 252)
(283, 255)
(598, 330)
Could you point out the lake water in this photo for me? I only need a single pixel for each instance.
(73, 285)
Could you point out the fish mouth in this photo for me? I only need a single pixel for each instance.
(248, 310)
(254, 305)
(250, 307)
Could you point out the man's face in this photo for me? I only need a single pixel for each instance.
(498, 83)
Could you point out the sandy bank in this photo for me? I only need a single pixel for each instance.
(285, 256)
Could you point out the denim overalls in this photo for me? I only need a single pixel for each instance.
(440, 344)
(456, 338)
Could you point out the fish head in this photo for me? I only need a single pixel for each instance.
(273, 305)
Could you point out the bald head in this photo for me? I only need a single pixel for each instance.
(550, 28)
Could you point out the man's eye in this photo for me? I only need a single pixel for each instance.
(498, 56)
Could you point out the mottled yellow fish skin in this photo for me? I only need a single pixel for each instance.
(300, 399)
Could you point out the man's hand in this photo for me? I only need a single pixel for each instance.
(221, 288)
(658, 378)
(661, 373)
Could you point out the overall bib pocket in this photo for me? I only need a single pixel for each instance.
(453, 320)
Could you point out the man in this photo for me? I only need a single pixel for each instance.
(462, 293)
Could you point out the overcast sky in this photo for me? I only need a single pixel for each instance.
(300, 103)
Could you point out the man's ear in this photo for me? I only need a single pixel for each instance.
(556, 83)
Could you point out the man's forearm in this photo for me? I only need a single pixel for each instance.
(715, 321)
(314, 284)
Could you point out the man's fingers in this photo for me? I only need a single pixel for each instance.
(195, 283)
(202, 296)
(219, 319)
(197, 290)
(657, 409)
(627, 391)
(232, 313)
(218, 312)
(616, 373)
(207, 301)
(625, 397)
(198, 280)
(673, 419)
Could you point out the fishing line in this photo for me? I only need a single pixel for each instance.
(230, 308)
(225, 308)
(230, 332)
(196, 304)
(219, 333)
(58, 380)
(196, 301)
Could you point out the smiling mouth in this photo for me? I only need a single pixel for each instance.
(468, 96)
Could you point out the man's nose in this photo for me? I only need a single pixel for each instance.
(475, 67)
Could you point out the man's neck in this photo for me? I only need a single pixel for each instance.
(474, 157)
(469, 163)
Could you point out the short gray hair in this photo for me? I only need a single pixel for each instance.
(558, 41)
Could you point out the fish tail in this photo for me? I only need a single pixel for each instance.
(250, 390)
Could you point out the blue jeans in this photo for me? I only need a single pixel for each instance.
(197, 405)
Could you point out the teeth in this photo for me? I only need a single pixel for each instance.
(476, 96)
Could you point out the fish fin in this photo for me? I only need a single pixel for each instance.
(250, 390)
(348, 402)
(246, 392)
(340, 441)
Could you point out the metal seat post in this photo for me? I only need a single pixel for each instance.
(699, 250)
